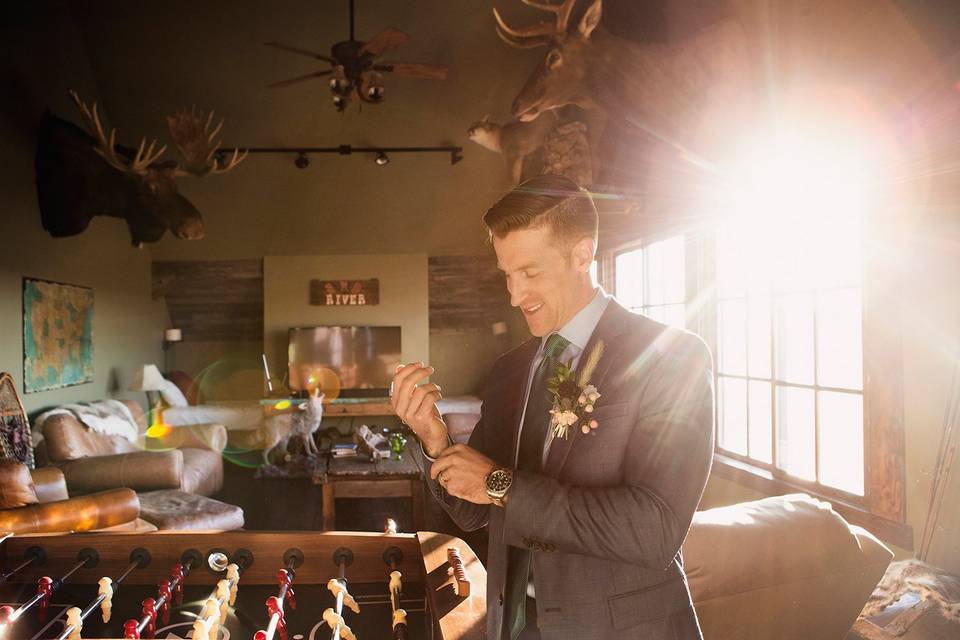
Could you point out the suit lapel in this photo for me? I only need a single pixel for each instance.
(613, 323)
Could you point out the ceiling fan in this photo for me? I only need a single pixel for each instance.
(354, 67)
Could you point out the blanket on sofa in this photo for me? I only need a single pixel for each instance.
(107, 417)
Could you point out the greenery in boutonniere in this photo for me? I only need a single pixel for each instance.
(574, 396)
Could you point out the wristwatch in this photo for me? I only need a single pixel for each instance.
(498, 483)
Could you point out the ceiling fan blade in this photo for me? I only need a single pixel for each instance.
(415, 70)
(389, 37)
(302, 52)
(303, 78)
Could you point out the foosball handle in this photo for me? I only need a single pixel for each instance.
(462, 583)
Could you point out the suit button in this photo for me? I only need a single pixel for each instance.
(551, 547)
(500, 599)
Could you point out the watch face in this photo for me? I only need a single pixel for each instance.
(499, 480)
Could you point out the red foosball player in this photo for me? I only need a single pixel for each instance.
(166, 595)
(6, 614)
(260, 635)
(130, 630)
(150, 609)
(273, 607)
(284, 578)
(44, 589)
(178, 574)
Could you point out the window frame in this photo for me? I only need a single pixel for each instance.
(882, 508)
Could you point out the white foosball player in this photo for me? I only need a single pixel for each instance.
(336, 587)
(210, 613)
(333, 619)
(73, 620)
(106, 605)
(233, 577)
(223, 595)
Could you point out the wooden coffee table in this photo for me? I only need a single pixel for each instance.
(360, 478)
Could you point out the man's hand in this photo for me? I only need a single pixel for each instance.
(463, 471)
(416, 405)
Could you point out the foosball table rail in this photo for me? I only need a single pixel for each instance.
(438, 571)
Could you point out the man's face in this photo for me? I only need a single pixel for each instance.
(545, 281)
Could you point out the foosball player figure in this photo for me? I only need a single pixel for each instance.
(211, 614)
(178, 574)
(73, 620)
(273, 607)
(166, 594)
(233, 576)
(105, 589)
(223, 596)
(45, 590)
(130, 631)
(150, 609)
(333, 619)
(6, 614)
(284, 578)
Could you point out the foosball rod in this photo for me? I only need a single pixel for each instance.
(271, 629)
(342, 563)
(139, 558)
(145, 620)
(33, 555)
(398, 616)
(85, 558)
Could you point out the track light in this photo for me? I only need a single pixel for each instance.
(302, 161)
(382, 159)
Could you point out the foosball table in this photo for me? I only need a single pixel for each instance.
(241, 585)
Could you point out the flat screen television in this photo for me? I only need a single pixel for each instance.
(363, 359)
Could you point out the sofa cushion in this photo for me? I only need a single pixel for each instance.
(67, 438)
(178, 510)
(202, 471)
(49, 484)
(16, 485)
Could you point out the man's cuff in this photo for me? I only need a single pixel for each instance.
(424, 451)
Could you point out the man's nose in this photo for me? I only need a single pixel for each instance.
(516, 295)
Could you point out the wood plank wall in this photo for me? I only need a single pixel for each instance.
(466, 293)
(212, 300)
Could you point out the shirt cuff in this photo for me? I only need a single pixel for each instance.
(424, 451)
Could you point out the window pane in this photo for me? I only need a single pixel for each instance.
(593, 271)
(674, 273)
(731, 266)
(656, 313)
(629, 278)
(758, 338)
(794, 339)
(732, 336)
(761, 421)
(796, 436)
(839, 339)
(675, 315)
(733, 414)
(655, 273)
(841, 441)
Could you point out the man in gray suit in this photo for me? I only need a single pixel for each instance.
(589, 521)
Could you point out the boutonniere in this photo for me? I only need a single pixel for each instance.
(574, 396)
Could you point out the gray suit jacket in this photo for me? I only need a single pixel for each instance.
(606, 519)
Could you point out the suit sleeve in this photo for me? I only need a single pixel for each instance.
(644, 519)
(467, 515)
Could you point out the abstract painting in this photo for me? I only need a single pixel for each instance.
(57, 335)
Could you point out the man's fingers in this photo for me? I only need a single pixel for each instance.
(422, 397)
(402, 392)
(442, 464)
(401, 373)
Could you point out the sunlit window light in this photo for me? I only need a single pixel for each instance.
(789, 332)
(652, 280)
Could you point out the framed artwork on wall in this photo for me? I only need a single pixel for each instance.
(57, 335)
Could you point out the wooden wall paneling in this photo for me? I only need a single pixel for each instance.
(465, 293)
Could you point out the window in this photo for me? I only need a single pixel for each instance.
(651, 280)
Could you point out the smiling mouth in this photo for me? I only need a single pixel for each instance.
(531, 310)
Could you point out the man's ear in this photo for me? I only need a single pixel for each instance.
(582, 254)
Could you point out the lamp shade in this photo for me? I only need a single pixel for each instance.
(147, 378)
(172, 335)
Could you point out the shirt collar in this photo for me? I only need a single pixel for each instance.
(580, 327)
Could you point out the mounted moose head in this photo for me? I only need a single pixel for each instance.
(81, 175)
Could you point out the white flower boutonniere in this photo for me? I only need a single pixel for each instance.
(574, 396)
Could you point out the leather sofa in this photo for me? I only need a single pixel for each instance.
(37, 502)
(184, 459)
(787, 567)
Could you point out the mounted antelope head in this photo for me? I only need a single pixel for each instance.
(74, 184)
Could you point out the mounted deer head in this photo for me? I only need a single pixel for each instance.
(73, 186)
(560, 78)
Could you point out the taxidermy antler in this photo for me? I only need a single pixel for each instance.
(73, 185)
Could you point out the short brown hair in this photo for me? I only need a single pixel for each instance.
(545, 200)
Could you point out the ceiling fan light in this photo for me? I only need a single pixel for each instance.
(382, 159)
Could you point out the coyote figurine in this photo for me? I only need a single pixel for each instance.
(303, 424)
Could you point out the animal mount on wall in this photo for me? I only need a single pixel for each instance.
(556, 143)
(85, 174)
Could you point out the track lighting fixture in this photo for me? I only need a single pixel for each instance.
(382, 159)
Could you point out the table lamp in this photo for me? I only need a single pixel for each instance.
(148, 378)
